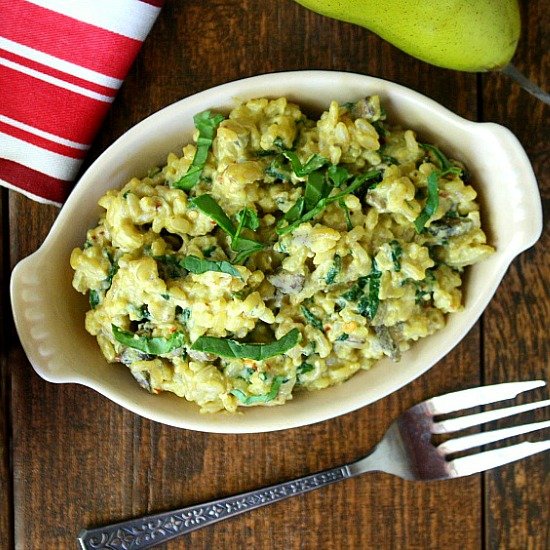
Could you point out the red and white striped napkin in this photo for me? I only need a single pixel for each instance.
(61, 64)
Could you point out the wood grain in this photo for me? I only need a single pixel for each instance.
(515, 326)
(6, 527)
(79, 460)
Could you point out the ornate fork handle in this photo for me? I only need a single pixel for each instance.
(148, 531)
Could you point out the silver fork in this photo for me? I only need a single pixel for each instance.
(405, 451)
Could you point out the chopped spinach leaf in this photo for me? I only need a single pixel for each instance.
(183, 315)
(311, 318)
(343, 337)
(304, 367)
(396, 253)
(206, 124)
(344, 207)
(366, 292)
(151, 345)
(226, 347)
(244, 247)
(452, 214)
(368, 303)
(209, 206)
(444, 163)
(264, 398)
(358, 182)
(144, 312)
(113, 268)
(387, 159)
(197, 265)
(355, 292)
(431, 204)
(94, 298)
(294, 213)
(248, 218)
(277, 170)
(317, 188)
(338, 175)
(334, 270)
(207, 252)
(169, 267)
(424, 288)
(314, 162)
(380, 128)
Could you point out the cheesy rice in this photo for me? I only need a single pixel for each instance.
(278, 253)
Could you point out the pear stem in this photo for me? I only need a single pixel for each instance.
(511, 71)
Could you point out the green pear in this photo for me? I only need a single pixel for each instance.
(465, 35)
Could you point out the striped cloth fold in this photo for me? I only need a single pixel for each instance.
(61, 64)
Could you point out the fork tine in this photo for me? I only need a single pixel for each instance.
(480, 462)
(466, 399)
(463, 422)
(467, 442)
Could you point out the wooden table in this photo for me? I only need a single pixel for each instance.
(70, 458)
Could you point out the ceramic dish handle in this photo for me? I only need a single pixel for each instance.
(148, 531)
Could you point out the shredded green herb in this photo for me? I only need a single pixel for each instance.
(424, 288)
(151, 345)
(207, 124)
(226, 347)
